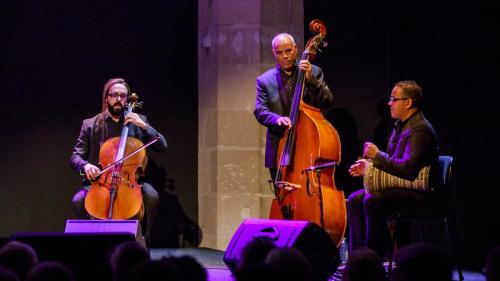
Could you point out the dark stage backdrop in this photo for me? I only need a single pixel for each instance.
(55, 58)
(452, 50)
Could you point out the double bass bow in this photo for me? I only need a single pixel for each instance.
(310, 144)
(116, 194)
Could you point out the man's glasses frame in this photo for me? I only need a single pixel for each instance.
(116, 95)
(394, 99)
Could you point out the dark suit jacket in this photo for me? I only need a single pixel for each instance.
(412, 146)
(271, 103)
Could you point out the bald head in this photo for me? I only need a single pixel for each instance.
(282, 38)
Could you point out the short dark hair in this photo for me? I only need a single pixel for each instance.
(411, 90)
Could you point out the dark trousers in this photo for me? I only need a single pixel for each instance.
(150, 198)
(367, 213)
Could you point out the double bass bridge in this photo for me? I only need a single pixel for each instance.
(288, 186)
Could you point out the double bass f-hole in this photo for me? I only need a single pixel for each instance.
(317, 171)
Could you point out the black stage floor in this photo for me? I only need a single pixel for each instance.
(212, 261)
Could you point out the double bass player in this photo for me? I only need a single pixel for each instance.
(275, 89)
(103, 126)
(288, 102)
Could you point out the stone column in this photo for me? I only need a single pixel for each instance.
(234, 48)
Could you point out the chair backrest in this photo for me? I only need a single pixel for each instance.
(445, 163)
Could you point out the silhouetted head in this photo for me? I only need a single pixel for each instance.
(18, 257)
(188, 268)
(50, 271)
(291, 264)
(256, 251)
(419, 261)
(7, 275)
(363, 264)
(125, 257)
(492, 266)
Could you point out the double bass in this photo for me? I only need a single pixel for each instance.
(116, 194)
(309, 150)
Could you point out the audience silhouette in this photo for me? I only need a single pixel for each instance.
(261, 260)
(125, 257)
(420, 261)
(18, 257)
(291, 264)
(492, 266)
(363, 264)
(50, 271)
(188, 268)
(256, 251)
(251, 265)
(7, 275)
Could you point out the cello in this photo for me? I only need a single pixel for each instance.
(116, 194)
(304, 186)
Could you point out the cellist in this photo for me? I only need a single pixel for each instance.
(103, 126)
(275, 89)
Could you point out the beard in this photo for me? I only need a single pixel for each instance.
(115, 109)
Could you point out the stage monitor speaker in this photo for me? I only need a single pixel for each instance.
(306, 236)
(87, 255)
(106, 226)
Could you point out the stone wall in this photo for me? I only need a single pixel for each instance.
(234, 48)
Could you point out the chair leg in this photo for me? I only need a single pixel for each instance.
(393, 248)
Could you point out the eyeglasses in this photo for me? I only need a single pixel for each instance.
(394, 99)
(116, 95)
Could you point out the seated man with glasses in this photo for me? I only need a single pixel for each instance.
(393, 180)
(103, 126)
